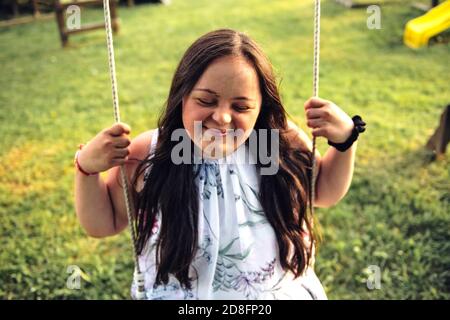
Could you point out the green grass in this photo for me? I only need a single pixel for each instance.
(396, 214)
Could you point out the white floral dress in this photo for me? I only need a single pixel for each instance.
(237, 256)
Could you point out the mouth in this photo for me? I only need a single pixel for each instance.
(217, 132)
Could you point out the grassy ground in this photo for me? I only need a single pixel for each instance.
(395, 216)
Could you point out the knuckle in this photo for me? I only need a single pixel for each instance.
(112, 129)
(107, 142)
(110, 155)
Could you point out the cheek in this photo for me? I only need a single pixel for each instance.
(191, 113)
(242, 123)
(246, 121)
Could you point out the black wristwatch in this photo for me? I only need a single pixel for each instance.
(359, 126)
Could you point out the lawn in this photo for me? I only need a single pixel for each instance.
(395, 216)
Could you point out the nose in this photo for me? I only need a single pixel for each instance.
(222, 116)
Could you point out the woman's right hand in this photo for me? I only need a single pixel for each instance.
(107, 149)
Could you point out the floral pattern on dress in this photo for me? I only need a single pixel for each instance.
(237, 253)
(229, 276)
(209, 175)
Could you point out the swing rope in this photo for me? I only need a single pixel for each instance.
(138, 276)
(312, 184)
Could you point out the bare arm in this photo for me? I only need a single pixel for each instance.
(335, 176)
(93, 206)
(100, 204)
(334, 169)
(139, 149)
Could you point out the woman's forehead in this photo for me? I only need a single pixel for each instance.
(230, 76)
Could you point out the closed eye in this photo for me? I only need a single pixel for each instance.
(206, 103)
(212, 103)
(242, 108)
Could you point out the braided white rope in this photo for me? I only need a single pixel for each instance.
(315, 94)
(138, 276)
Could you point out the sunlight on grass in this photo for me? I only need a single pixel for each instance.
(395, 215)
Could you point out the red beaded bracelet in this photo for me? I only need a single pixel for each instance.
(77, 164)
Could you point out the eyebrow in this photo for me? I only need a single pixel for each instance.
(217, 95)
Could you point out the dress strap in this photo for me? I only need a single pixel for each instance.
(154, 140)
(151, 152)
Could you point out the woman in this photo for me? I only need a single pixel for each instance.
(219, 229)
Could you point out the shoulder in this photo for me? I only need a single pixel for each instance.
(140, 145)
(299, 139)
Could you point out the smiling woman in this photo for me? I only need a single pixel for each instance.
(226, 98)
(214, 230)
(233, 231)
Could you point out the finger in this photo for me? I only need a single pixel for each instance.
(315, 102)
(314, 113)
(315, 123)
(118, 129)
(319, 132)
(121, 142)
(118, 161)
(121, 153)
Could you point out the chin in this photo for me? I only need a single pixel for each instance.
(220, 151)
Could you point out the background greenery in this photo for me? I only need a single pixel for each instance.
(396, 214)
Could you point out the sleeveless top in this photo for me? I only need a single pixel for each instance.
(237, 255)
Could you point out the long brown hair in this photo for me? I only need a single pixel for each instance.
(170, 188)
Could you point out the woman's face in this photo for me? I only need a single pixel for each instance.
(226, 101)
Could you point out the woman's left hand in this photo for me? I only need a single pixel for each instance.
(328, 120)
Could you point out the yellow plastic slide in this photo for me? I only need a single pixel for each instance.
(419, 30)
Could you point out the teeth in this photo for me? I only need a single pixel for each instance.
(215, 132)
